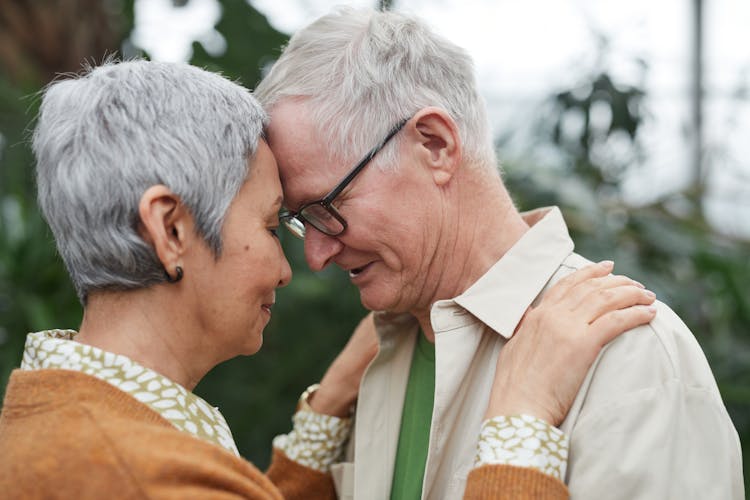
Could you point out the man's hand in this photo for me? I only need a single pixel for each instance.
(540, 370)
(340, 385)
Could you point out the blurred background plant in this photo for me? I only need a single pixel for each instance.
(594, 130)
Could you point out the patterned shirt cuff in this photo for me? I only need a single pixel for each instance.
(316, 440)
(524, 441)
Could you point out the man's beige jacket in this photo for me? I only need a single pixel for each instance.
(648, 422)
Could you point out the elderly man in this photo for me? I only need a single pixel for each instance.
(428, 233)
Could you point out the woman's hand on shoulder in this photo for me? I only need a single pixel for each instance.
(541, 368)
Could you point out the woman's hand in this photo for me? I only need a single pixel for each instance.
(340, 385)
(541, 368)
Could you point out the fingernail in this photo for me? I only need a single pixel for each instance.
(607, 264)
(638, 284)
(651, 309)
(650, 294)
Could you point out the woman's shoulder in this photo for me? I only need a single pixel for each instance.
(57, 426)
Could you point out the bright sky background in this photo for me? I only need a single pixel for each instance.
(525, 50)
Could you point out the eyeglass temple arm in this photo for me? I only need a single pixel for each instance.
(353, 173)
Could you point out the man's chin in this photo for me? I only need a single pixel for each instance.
(379, 301)
(374, 301)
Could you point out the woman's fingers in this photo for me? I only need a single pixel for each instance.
(583, 292)
(610, 325)
(566, 284)
(541, 368)
(603, 300)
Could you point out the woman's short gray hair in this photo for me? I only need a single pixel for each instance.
(103, 138)
(361, 71)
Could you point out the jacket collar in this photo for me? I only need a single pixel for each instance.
(502, 295)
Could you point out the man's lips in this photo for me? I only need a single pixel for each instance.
(356, 271)
(267, 307)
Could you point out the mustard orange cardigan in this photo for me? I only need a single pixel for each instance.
(65, 434)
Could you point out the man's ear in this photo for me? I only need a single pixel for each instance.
(164, 224)
(439, 143)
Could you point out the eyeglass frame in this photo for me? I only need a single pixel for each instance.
(288, 218)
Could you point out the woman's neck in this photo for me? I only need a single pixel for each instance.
(146, 329)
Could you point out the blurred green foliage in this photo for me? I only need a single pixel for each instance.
(668, 244)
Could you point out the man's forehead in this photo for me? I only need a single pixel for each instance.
(293, 137)
(306, 166)
(305, 176)
(292, 117)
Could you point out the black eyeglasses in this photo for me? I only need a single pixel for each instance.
(321, 214)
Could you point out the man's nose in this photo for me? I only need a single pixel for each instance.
(320, 248)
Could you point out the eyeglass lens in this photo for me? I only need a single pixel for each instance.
(322, 219)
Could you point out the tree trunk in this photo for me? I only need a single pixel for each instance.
(41, 38)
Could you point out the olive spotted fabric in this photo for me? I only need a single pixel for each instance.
(316, 440)
(57, 349)
(524, 441)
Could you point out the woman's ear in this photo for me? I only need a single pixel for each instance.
(164, 224)
(439, 142)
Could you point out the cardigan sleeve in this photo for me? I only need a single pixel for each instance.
(509, 482)
(169, 464)
(297, 482)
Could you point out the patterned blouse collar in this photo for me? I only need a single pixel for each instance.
(57, 349)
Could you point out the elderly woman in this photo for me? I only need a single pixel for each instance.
(163, 199)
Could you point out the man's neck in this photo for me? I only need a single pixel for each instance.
(481, 230)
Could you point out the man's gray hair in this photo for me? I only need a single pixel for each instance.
(102, 139)
(362, 71)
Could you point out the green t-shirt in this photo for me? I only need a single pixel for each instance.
(414, 436)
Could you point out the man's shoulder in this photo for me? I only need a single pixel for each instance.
(664, 351)
(648, 411)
